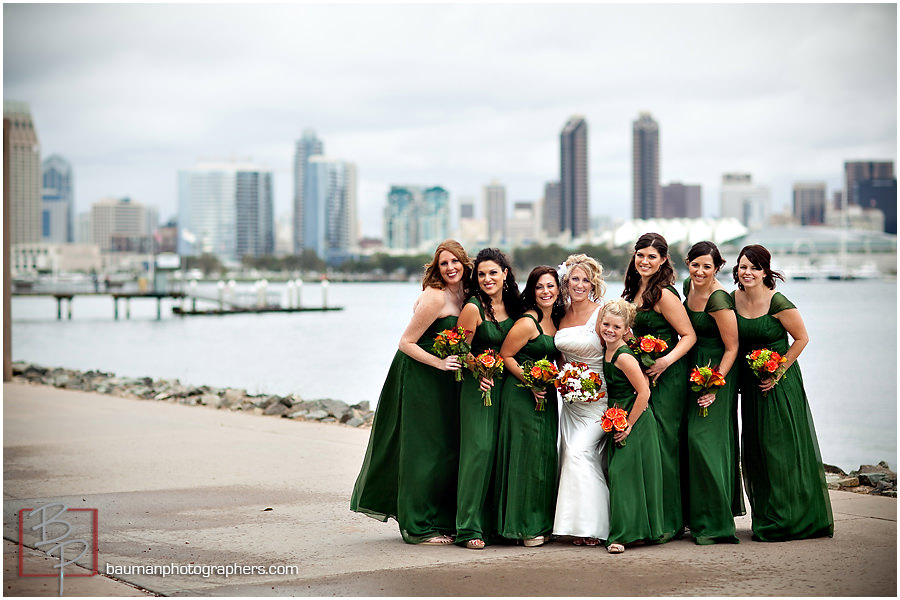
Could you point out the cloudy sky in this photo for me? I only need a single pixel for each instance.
(455, 94)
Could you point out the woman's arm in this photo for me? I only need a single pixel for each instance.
(629, 365)
(674, 313)
(521, 333)
(427, 310)
(727, 323)
(792, 321)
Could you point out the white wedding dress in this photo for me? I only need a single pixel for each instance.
(582, 503)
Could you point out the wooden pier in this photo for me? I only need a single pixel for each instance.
(116, 296)
(237, 310)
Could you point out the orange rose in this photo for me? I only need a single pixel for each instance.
(606, 424)
(647, 345)
(661, 346)
(621, 424)
(488, 360)
(755, 354)
(536, 372)
(771, 366)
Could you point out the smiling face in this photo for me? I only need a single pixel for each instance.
(579, 285)
(546, 292)
(702, 270)
(491, 277)
(749, 275)
(647, 261)
(451, 267)
(612, 328)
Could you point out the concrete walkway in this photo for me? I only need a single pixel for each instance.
(178, 485)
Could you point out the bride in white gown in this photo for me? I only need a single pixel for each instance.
(582, 503)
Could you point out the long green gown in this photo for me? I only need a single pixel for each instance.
(714, 495)
(478, 429)
(783, 470)
(635, 470)
(410, 469)
(526, 452)
(668, 398)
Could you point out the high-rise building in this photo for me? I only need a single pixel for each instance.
(573, 177)
(861, 170)
(466, 208)
(522, 228)
(495, 211)
(416, 217)
(225, 209)
(329, 212)
(57, 200)
(24, 175)
(646, 193)
(307, 146)
(119, 225)
(880, 194)
(809, 203)
(552, 217)
(680, 201)
(744, 201)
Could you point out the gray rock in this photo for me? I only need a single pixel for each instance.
(335, 408)
(317, 415)
(294, 414)
(276, 408)
(355, 422)
(848, 482)
(363, 406)
(232, 397)
(209, 400)
(833, 469)
(871, 478)
(328, 420)
(890, 493)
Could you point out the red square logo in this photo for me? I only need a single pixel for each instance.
(66, 534)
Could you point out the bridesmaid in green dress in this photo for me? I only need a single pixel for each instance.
(714, 494)
(635, 467)
(410, 469)
(526, 451)
(489, 314)
(783, 470)
(648, 283)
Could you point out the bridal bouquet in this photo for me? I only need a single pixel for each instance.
(647, 348)
(488, 364)
(577, 383)
(538, 375)
(765, 363)
(452, 342)
(706, 380)
(614, 418)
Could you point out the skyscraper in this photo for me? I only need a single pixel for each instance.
(24, 175)
(115, 221)
(225, 209)
(495, 211)
(880, 194)
(680, 201)
(57, 200)
(434, 219)
(573, 176)
(307, 146)
(416, 218)
(552, 213)
(746, 202)
(809, 203)
(329, 213)
(646, 193)
(861, 170)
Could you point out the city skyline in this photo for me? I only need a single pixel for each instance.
(407, 102)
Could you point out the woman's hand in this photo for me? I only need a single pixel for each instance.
(621, 436)
(485, 385)
(706, 400)
(451, 363)
(658, 368)
(539, 394)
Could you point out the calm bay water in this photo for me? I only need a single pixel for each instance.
(849, 367)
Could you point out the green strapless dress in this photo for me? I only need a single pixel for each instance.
(526, 452)
(635, 470)
(411, 464)
(714, 495)
(783, 470)
(478, 430)
(668, 398)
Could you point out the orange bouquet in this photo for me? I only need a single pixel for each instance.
(765, 363)
(648, 348)
(488, 364)
(614, 418)
(706, 380)
(452, 342)
(538, 375)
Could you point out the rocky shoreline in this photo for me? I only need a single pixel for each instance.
(868, 479)
(165, 390)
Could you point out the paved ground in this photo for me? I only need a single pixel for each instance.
(177, 485)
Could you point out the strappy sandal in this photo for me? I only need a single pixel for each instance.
(535, 541)
(438, 540)
(615, 548)
(578, 541)
(591, 542)
(475, 544)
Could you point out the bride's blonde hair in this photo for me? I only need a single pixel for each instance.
(620, 308)
(591, 268)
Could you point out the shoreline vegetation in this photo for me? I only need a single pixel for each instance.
(876, 479)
